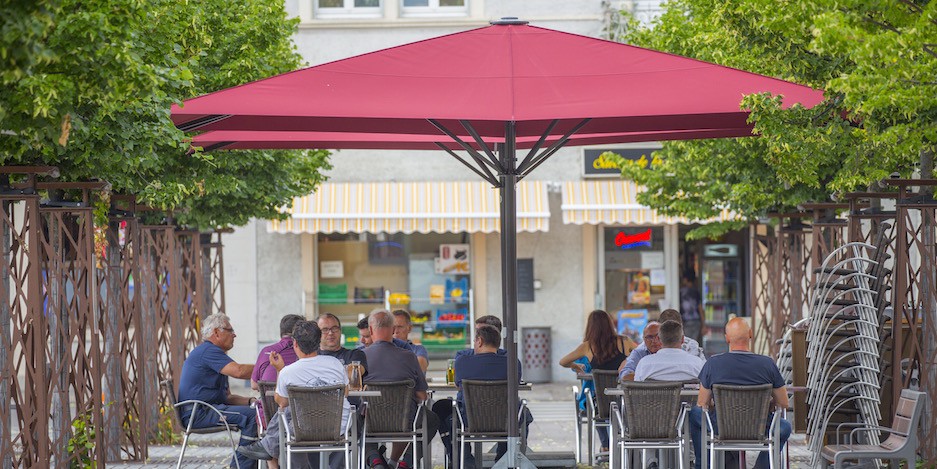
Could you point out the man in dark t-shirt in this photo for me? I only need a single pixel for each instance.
(485, 364)
(387, 362)
(205, 375)
(739, 366)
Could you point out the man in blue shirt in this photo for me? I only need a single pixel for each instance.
(739, 366)
(652, 344)
(402, 328)
(489, 320)
(205, 375)
(486, 364)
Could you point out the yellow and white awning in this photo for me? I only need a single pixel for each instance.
(614, 202)
(408, 207)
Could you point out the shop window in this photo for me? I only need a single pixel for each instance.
(347, 8)
(635, 276)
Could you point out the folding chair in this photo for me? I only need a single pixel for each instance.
(223, 425)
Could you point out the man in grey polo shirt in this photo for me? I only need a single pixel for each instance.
(670, 363)
(387, 362)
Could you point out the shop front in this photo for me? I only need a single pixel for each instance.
(403, 246)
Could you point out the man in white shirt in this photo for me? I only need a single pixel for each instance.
(671, 362)
(310, 370)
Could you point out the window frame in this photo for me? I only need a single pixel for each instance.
(434, 10)
(349, 10)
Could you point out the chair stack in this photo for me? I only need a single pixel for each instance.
(843, 351)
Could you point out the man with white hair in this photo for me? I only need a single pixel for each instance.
(205, 376)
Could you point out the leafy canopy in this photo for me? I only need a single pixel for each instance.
(87, 86)
(874, 59)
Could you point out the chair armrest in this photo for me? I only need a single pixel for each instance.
(420, 408)
(839, 427)
(352, 421)
(286, 427)
(615, 414)
(684, 409)
(869, 428)
(590, 403)
(455, 411)
(195, 403)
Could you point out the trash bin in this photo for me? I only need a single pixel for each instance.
(537, 356)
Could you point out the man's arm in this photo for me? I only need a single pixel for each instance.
(424, 363)
(421, 395)
(705, 395)
(780, 397)
(238, 370)
(626, 373)
(284, 402)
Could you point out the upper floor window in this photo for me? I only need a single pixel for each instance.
(434, 7)
(348, 8)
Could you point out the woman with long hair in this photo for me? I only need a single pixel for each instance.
(603, 348)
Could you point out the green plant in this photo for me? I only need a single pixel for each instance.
(165, 433)
(81, 444)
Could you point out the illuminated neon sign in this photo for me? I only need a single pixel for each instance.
(631, 241)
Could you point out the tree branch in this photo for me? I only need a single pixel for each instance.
(929, 48)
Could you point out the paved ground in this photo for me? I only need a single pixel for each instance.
(552, 430)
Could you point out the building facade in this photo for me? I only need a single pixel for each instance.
(419, 231)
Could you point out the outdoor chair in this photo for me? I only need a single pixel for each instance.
(582, 421)
(387, 417)
(316, 425)
(269, 404)
(223, 425)
(741, 413)
(902, 441)
(598, 410)
(486, 415)
(653, 419)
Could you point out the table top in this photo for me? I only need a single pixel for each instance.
(443, 386)
(685, 392)
(364, 393)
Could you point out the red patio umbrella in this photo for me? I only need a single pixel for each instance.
(488, 91)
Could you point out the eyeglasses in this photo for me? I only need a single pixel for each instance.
(229, 329)
(331, 330)
(652, 337)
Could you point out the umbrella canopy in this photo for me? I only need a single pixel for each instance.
(507, 72)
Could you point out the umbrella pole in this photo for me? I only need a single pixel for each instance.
(514, 457)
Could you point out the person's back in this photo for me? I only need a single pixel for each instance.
(670, 363)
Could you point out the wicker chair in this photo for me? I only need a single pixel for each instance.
(486, 415)
(598, 412)
(741, 413)
(266, 390)
(653, 419)
(222, 426)
(387, 418)
(317, 423)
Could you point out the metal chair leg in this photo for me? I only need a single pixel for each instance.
(185, 441)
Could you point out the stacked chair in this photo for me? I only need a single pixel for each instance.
(848, 304)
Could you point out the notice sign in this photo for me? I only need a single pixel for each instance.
(453, 259)
(331, 269)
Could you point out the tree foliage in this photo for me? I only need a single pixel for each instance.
(874, 59)
(87, 86)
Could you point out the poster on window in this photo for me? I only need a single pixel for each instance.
(631, 323)
(453, 259)
(639, 288)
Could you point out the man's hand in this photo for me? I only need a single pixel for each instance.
(276, 361)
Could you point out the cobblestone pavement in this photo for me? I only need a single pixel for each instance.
(552, 430)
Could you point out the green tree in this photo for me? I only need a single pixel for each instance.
(88, 86)
(875, 62)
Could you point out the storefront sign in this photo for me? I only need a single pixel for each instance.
(596, 165)
(453, 259)
(331, 269)
(631, 241)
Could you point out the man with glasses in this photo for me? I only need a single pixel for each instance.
(331, 344)
(204, 377)
(652, 345)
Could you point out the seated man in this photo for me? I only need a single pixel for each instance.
(364, 335)
(402, 328)
(331, 344)
(486, 364)
(262, 369)
(651, 346)
(739, 366)
(310, 370)
(489, 320)
(205, 375)
(670, 363)
(387, 362)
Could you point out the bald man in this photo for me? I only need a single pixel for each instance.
(738, 367)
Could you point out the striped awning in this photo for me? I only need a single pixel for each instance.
(408, 207)
(614, 202)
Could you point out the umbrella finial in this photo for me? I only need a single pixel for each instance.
(508, 20)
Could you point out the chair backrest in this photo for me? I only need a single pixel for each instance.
(171, 394)
(267, 388)
(317, 412)
(604, 379)
(651, 409)
(908, 413)
(486, 406)
(741, 411)
(390, 412)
